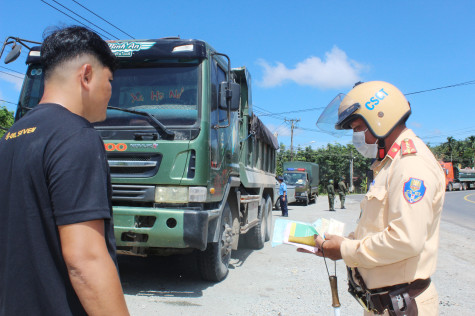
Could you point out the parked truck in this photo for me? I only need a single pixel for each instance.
(457, 178)
(305, 177)
(192, 167)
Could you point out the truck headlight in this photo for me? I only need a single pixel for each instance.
(197, 194)
(171, 194)
(180, 194)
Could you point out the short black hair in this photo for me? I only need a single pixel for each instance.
(67, 43)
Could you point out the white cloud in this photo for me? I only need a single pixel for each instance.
(16, 80)
(335, 71)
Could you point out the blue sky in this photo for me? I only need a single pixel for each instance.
(300, 53)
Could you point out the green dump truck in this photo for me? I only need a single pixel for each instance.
(305, 177)
(192, 167)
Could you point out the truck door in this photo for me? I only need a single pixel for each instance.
(218, 137)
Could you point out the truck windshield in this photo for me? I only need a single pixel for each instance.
(168, 91)
(294, 178)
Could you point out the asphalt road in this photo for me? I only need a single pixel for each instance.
(459, 208)
(280, 281)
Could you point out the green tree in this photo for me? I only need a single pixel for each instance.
(450, 146)
(460, 152)
(6, 120)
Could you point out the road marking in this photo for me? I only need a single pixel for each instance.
(466, 198)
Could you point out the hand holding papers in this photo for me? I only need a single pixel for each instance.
(301, 234)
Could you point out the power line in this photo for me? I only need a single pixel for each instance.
(453, 132)
(270, 114)
(445, 87)
(8, 102)
(297, 111)
(103, 19)
(7, 73)
(84, 19)
(75, 19)
(12, 70)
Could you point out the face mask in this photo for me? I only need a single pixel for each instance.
(367, 150)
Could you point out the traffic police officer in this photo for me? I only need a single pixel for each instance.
(393, 251)
(283, 196)
(342, 191)
(331, 195)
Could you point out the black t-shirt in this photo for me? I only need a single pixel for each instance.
(53, 171)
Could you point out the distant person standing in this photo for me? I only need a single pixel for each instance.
(331, 195)
(342, 191)
(283, 196)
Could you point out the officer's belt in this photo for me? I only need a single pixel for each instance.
(381, 299)
(413, 289)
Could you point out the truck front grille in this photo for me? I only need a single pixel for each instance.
(133, 166)
(137, 193)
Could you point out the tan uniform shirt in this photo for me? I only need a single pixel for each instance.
(397, 236)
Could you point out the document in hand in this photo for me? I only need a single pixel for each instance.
(301, 234)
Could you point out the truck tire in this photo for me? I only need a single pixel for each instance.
(306, 201)
(213, 262)
(277, 204)
(268, 218)
(256, 236)
(451, 187)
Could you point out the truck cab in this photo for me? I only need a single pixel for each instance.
(305, 177)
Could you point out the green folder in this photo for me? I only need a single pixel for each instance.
(301, 233)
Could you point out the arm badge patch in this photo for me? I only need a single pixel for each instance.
(414, 190)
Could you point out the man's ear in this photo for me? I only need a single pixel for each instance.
(86, 75)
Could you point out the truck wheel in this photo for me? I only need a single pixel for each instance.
(306, 201)
(213, 262)
(451, 187)
(277, 204)
(268, 218)
(256, 236)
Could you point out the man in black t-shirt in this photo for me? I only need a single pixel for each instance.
(57, 253)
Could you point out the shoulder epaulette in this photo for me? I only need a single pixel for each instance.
(393, 150)
(407, 147)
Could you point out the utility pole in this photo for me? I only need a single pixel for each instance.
(292, 126)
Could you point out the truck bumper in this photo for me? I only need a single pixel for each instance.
(161, 227)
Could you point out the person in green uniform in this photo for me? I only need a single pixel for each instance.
(342, 191)
(331, 195)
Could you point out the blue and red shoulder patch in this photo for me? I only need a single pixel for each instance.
(414, 190)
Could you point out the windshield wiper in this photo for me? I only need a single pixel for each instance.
(158, 125)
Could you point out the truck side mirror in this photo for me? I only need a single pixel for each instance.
(232, 95)
(13, 54)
